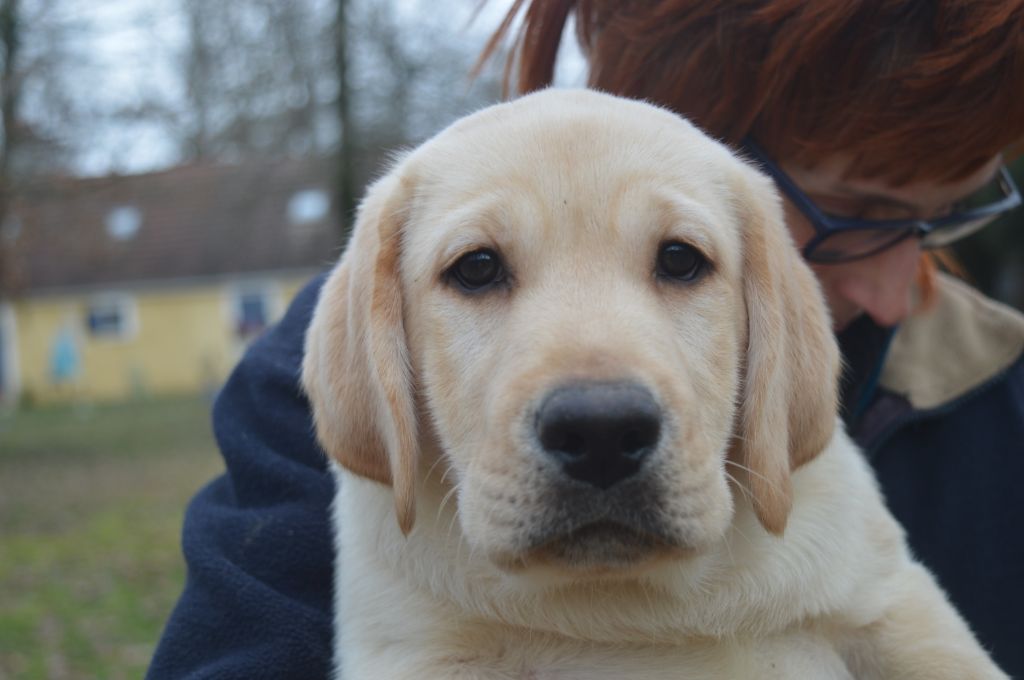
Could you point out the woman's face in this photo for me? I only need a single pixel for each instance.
(880, 285)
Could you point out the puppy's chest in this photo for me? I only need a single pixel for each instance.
(540, 657)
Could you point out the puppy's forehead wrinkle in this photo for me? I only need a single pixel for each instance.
(588, 248)
(485, 221)
(700, 223)
(560, 154)
(595, 203)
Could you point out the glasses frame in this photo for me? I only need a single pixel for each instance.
(826, 225)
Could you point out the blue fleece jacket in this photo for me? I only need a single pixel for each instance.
(258, 603)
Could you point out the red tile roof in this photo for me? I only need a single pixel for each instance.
(195, 221)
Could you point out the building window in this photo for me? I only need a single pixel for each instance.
(111, 317)
(253, 313)
(252, 307)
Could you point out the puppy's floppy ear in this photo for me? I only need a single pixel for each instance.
(356, 366)
(790, 391)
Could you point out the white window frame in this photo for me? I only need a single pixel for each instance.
(270, 291)
(9, 355)
(127, 310)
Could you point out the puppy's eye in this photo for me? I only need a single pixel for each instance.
(477, 270)
(680, 261)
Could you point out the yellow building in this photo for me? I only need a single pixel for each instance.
(154, 284)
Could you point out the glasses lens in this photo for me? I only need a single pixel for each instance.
(946, 235)
(853, 244)
(994, 192)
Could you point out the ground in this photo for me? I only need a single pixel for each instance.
(91, 505)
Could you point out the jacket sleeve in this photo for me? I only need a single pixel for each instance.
(257, 541)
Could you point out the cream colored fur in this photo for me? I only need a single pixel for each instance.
(774, 555)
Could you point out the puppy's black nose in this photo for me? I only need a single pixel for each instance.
(600, 433)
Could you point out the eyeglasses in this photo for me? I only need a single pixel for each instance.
(843, 239)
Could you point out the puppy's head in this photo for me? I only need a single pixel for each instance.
(597, 314)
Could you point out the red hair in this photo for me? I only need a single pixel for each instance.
(915, 89)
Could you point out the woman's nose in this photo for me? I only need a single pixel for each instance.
(881, 285)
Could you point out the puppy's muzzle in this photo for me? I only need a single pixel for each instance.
(599, 433)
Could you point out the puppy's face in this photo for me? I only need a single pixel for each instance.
(576, 313)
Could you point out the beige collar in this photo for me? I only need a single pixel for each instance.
(941, 353)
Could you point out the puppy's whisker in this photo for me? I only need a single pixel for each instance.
(444, 475)
(459, 542)
(460, 538)
(728, 547)
(455, 515)
(434, 466)
(742, 535)
(746, 493)
(743, 489)
(444, 502)
(769, 482)
(745, 537)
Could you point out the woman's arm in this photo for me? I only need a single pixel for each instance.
(257, 541)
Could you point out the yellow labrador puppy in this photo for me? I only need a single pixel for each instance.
(581, 391)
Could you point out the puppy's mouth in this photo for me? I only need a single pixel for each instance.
(602, 548)
(602, 543)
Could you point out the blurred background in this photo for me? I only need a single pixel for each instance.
(171, 173)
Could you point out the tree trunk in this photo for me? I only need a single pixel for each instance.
(8, 110)
(344, 179)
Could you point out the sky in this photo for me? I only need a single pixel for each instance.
(135, 42)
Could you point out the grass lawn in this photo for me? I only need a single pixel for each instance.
(91, 504)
